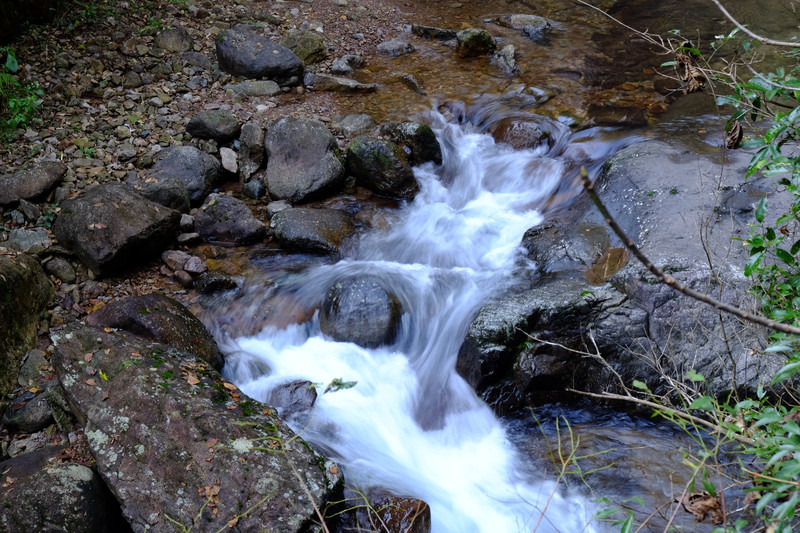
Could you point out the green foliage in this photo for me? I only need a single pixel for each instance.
(18, 99)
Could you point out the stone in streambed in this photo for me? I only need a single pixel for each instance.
(293, 397)
(112, 227)
(322, 82)
(25, 291)
(360, 310)
(255, 88)
(161, 319)
(197, 170)
(432, 32)
(395, 48)
(381, 166)
(503, 60)
(307, 45)
(474, 42)
(313, 230)
(251, 150)
(346, 64)
(31, 183)
(223, 218)
(303, 159)
(215, 124)
(243, 52)
(418, 140)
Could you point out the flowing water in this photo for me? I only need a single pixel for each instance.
(411, 424)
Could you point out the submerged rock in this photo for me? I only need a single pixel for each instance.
(360, 310)
(218, 451)
(293, 397)
(432, 32)
(302, 159)
(474, 42)
(321, 82)
(395, 47)
(161, 319)
(381, 166)
(313, 230)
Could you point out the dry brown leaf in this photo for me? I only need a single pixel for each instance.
(609, 264)
(88, 357)
(105, 395)
(91, 381)
(233, 521)
(734, 135)
(702, 503)
(229, 386)
(231, 407)
(212, 442)
(191, 378)
(751, 498)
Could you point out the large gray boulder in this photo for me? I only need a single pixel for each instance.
(161, 319)
(591, 297)
(25, 292)
(112, 228)
(197, 170)
(360, 310)
(382, 166)
(313, 230)
(162, 422)
(222, 126)
(31, 183)
(243, 52)
(303, 159)
(223, 218)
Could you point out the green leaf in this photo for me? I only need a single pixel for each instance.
(786, 372)
(703, 403)
(761, 209)
(669, 64)
(753, 262)
(753, 143)
(640, 385)
(605, 513)
(11, 62)
(695, 376)
(785, 256)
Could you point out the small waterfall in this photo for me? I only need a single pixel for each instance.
(411, 425)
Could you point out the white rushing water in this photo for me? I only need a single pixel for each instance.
(411, 424)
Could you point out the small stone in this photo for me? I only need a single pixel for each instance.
(189, 238)
(184, 278)
(175, 259)
(229, 160)
(395, 48)
(254, 189)
(61, 269)
(187, 222)
(195, 265)
(277, 207)
(123, 132)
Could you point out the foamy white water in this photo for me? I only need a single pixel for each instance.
(411, 424)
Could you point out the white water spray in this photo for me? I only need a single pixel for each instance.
(411, 425)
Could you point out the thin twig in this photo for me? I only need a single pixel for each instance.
(668, 279)
(670, 410)
(755, 36)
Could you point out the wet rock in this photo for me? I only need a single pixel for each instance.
(30, 417)
(174, 40)
(160, 319)
(520, 21)
(196, 446)
(322, 82)
(111, 227)
(303, 159)
(223, 218)
(474, 42)
(195, 266)
(360, 310)
(292, 398)
(432, 32)
(530, 132)
(46, 493)
(32, 364)
(277, 207)
(198, 171)
(346, 64)
(381, 166)
(395, 48)
(216, 124)
(537, 33)
(254, 189)
(353, 124)
(503, 60)
(169, 193)
(394, 513)
(30, 210)
(410, 81)
(184, 278)
(61, 269)
(215, 281)
(255, 88)
(418, 141)
(243, 52)
(629, 116)
(314, 230)
(26, 292)
(229, 159)
(31, 183)
(307, 45)
(251, 150)
(27, 239)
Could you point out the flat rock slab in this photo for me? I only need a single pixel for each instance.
(31, 183)
(243, 52)
(161, 319)
(112, 227)
(314, 230)
(178, 444)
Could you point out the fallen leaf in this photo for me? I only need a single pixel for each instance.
(105, 395)
(229, 386)
(212, 442)
(609, 264)
(99, 204)
(233, 521)
(91, 382)
(230, 407)
(88, 357)
(191, 378)
(702, 503)
(734, 135)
